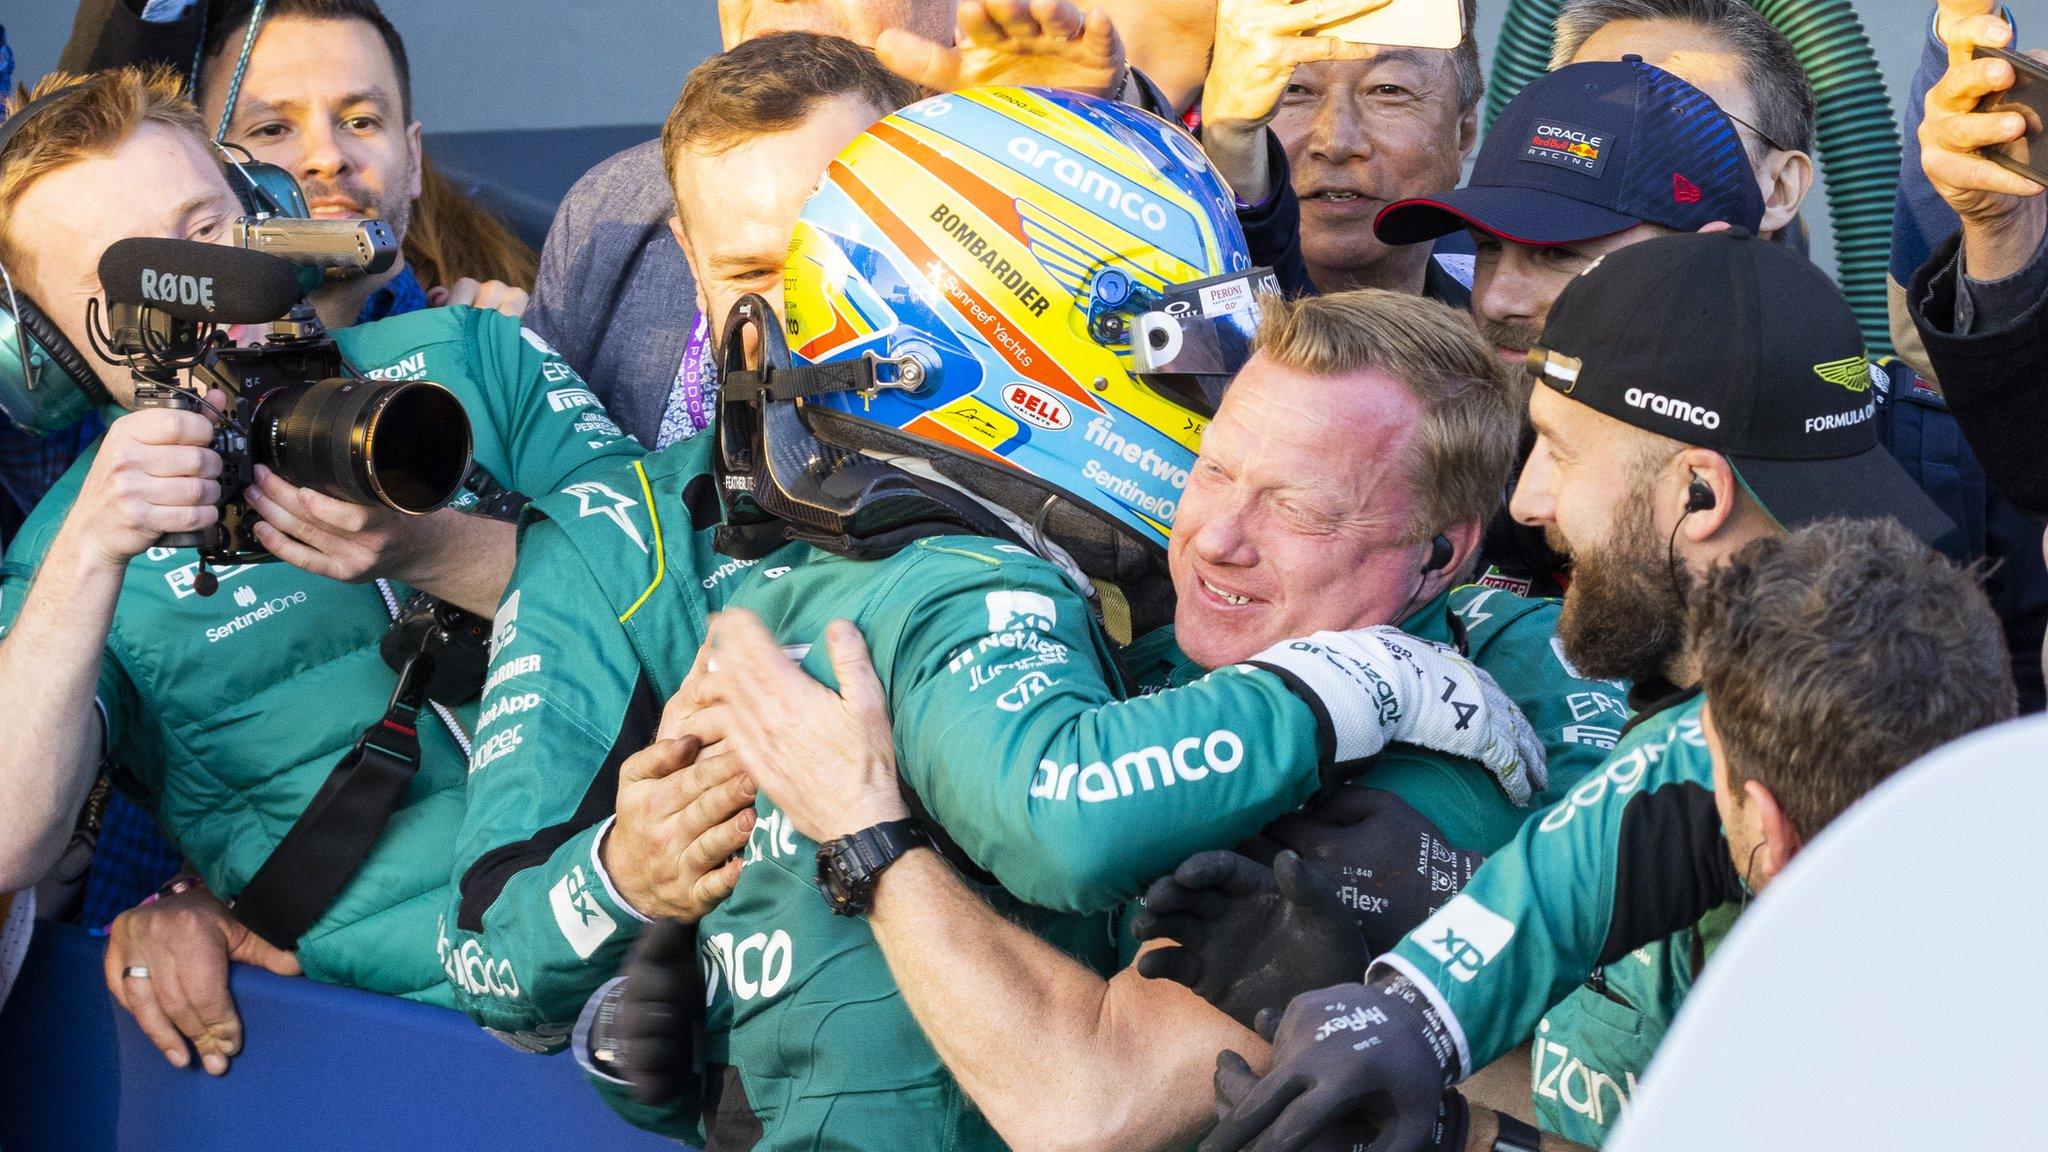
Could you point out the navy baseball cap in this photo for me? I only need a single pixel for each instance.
(1590, 150)
(1727, 342)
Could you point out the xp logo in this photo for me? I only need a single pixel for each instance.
(584, 923)
(1018, 609)
(177, 288)
(1037, 407)
(505, 628)
(1465, 935)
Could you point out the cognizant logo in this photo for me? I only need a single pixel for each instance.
(1190, 759)
(263, 611)
(1129, 203)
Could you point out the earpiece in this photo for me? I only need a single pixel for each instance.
(1700, 496)
(1440, 553)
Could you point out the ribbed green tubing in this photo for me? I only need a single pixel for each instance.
(1859, 138)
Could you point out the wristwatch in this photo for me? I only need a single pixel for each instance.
(849, 866)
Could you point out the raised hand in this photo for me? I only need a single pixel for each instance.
(1035, 43)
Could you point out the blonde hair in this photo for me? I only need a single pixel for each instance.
(1472, 416)
(94, 118)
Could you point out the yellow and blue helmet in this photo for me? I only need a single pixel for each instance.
(1041, 295)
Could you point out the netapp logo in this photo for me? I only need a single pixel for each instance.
(177, 288)
(1129, 203)
(1676, 409)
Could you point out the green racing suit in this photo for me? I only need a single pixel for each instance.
(225, 714)
(1587, 929)
(1072, 797)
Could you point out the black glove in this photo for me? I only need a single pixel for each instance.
(641, 1028)
(1250, 937)
(1375, 1054)
(1355, 1133)
(1392, 867)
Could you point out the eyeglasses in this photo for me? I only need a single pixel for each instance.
(1759, 133)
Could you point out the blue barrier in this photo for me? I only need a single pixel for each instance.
(321, 1068)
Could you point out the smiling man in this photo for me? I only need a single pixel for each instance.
(1342, 484)
(328, 97)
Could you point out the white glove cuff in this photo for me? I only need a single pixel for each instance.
(1359, 703)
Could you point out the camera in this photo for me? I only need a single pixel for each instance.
(294, 404)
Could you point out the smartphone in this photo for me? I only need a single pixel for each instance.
(1405, 24)
(2028, 155)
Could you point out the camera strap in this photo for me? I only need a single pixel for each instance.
(330, 839)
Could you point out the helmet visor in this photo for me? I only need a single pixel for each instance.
(1189, 344)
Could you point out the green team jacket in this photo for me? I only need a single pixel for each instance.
(226, 713)
(1011, 727)
(1630, 859)
(1590, 1051)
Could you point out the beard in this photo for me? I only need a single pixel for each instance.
(1624, 612)
(1508, 334)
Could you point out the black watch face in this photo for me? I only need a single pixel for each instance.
(832, 880)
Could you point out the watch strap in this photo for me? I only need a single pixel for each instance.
(1516, 1135)
(849, 867)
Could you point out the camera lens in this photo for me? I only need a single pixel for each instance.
(403, 444)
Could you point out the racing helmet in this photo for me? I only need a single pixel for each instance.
(1037, 295)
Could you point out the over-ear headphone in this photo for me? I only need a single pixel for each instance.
(1440, 553)
(1699, 497)
(45, 385)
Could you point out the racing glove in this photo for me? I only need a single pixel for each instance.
(641, 1027)
(1250, 937)
(1380, 685)
(1376, 1054)
(1392, 866)
(1355, 1133)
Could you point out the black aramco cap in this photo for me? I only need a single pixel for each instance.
(1727, 342)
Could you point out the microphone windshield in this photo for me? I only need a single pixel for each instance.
(205, 283)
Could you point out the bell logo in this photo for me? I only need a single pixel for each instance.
(1683, 191)
(1037, 407)
(245, 596)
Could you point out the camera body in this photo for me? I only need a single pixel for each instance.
(294, 404)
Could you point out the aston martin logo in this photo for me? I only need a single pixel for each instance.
(1852, 373)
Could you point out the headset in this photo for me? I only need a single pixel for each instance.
(1441, 553)
(45, 384)
(1699, 497)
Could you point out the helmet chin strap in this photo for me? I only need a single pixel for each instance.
(1031, 534)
